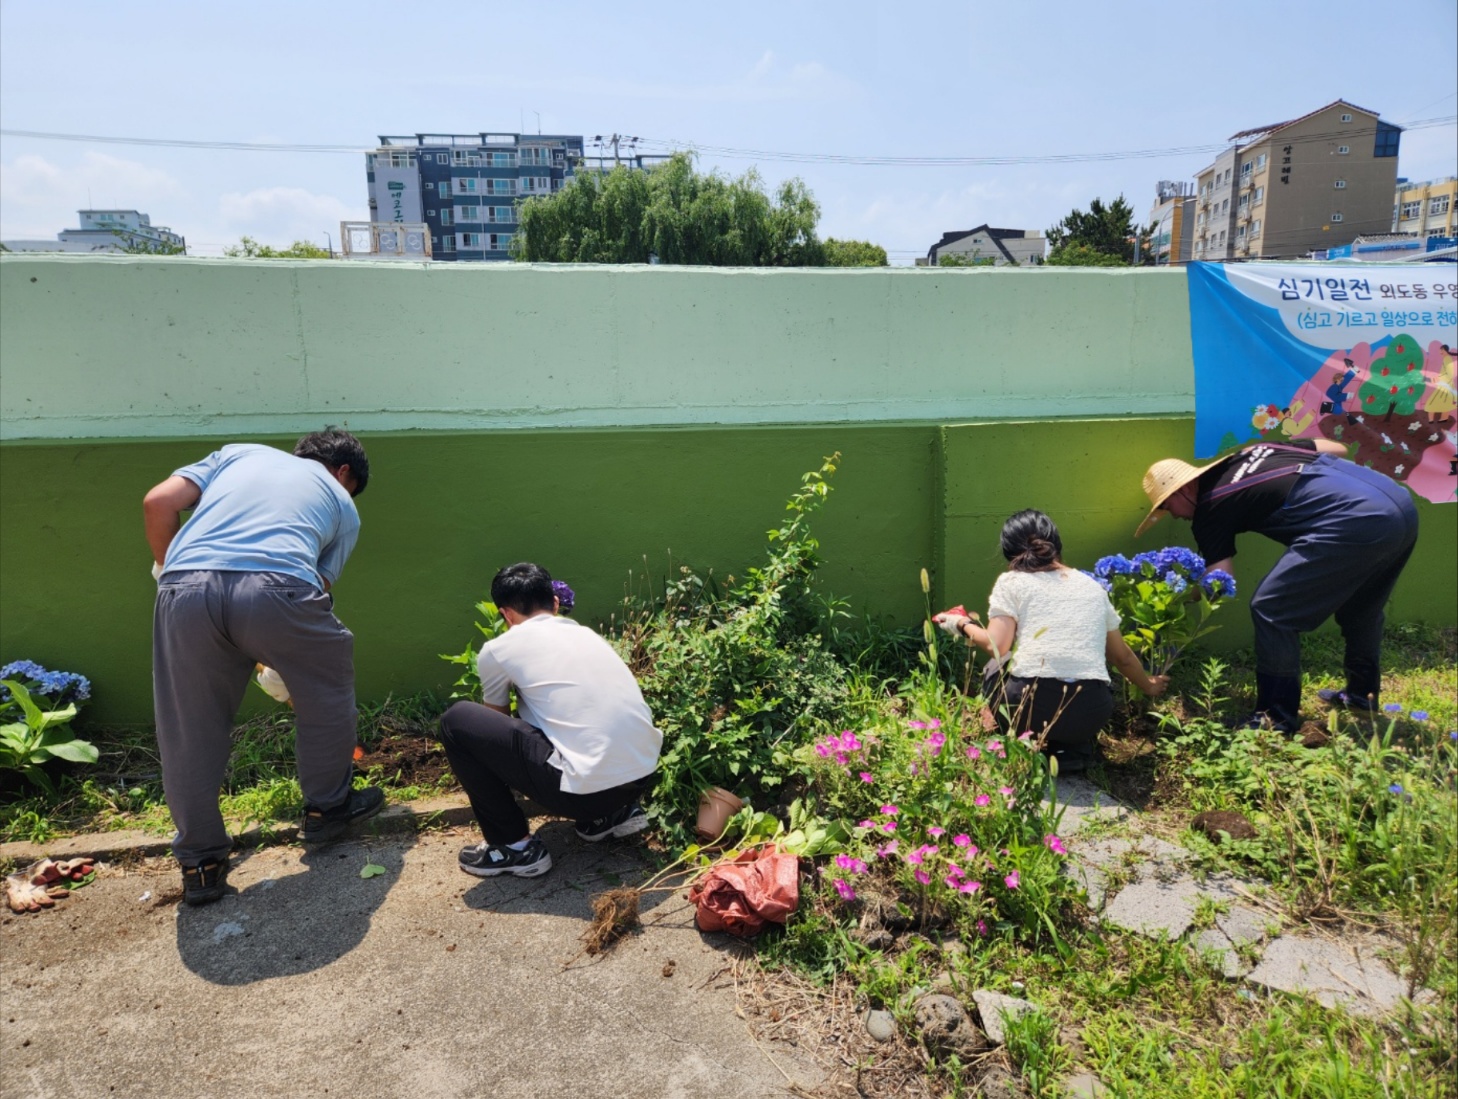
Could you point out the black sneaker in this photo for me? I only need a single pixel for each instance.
(326, 825)
(1343, 700)
(486, 860)
(627, 821)
(204, 883)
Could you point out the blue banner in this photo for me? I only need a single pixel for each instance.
(1360, 355)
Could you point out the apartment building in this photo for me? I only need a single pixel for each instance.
(1427, 209)
(108, 231)
(1292, 188)
(465, 187)
(1172, 220)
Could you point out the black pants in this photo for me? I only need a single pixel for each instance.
(493, 754)
(1070, 713)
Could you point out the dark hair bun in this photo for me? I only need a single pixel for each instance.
(1030, 542)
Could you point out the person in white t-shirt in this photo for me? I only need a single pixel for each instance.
(1052, 634)
(582, 743)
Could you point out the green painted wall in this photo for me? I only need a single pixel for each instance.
(165, 346)
(608, 422)
(445, 510)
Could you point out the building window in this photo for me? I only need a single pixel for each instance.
(441, 158)
(1260, 162)
(1336, 217)
(1346, 118)
(467, 186)
(1225, 207)
(1255, 229)
(1243, 203)
(499, 242)
(1412, 209)
(501, 215)
(1245, 170)
(1340, 185)
(469, 240)
(448, 243)
(1438, 205)
(1343, 150)
(538, 155)
(445, 215)
(1240, 233)
(468, 213)
(1438, 232)
(1260, 196)
(1387, 140)
(501, 160)
(535, 185)
(500, 186)
(1222, 236)
(469, 158)
(402, 160)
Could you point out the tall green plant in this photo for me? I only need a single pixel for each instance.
(39, 737)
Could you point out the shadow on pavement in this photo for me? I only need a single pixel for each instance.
(288, 923)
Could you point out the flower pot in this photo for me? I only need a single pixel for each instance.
(716, 806)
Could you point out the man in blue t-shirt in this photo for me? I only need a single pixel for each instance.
(246, 581)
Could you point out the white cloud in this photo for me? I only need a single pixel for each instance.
(40, 197)
(281, 215)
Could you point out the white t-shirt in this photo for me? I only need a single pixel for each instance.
(572, 685)
(1063, 617)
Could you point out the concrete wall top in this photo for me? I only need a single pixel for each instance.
(195, 347)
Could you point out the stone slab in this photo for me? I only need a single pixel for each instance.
(1346, 975)
(1083, 804)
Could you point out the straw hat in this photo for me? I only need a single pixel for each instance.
(1162, 480)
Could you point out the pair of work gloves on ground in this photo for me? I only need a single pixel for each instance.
(43, 883)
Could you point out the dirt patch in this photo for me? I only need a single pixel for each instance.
(403, 759)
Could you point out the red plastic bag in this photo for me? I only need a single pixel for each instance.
(761, 886)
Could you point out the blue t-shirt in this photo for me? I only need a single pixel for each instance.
(265, 511)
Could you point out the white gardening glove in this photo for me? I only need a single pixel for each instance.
(156, 571)
(272, 684)
(952, 621)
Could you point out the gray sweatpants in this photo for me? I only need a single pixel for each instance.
(208, 631)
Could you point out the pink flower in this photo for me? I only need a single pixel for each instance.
(1026, 737)
(843, 887)
(849, 742)
(974, 752)
(841, 758)
(1004, 790)
(982, 801)
(916, 857)
(866, 824)
(951, 880)
(913, 770)
(889, 827)
(886, 849)
(918, 725)
(1055, 844)
(994, 745)
(866, 776)
(935, 742)
(962, 840)
(972, 851)
(923, 877)
(851, 863)
(935, 831)
(969, 887)
(1011, 881)
(890, 810)
(822, 750)
(982, 928)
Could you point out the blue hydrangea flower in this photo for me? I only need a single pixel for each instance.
(1114, 565)
(60, 687)
(1218, 584)
(566, 598)
(1175, 581)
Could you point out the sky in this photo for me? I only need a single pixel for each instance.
(843, 79)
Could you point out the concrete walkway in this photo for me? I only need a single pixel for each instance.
(423, 981)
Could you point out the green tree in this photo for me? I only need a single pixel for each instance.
(1083, 255)
(138, 247)
(853, 253)
(968, 259)
(1396, 381)
(674, 213)
(1108, 230)
(248, 248)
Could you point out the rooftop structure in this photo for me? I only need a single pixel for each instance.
(998, 247)
(108, 231)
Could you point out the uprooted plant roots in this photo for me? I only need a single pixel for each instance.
(614, 914)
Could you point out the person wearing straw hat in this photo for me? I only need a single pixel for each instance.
(1348, 532)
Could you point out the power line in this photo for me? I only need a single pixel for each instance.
(732, 152)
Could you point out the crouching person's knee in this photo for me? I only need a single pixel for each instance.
(454, 719)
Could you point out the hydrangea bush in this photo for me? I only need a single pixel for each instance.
(1165, 599)
(37, 707)
(951, 824)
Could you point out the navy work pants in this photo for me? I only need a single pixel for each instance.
(1348, 531)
